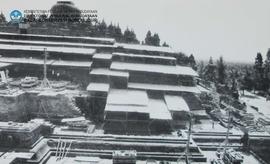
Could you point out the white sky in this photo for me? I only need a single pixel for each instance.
(235, 29)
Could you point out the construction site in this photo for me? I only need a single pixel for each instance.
(95, 100)
(72, 99)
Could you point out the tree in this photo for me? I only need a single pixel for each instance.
(102, 28)
(201, 69)
(234, 75)
(267, 71)
(130, 36)
(210, 71)
(118, 33)
(111, 30)
(247, 82)
(258, 70)
(192, 62)
(152, 40)
(165, 44)
(221, 71)
(155, 40)
(148, 38)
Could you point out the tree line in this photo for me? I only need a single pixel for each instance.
(258, 78)
(234, 77)
(98, 29)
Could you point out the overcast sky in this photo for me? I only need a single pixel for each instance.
(235, 29)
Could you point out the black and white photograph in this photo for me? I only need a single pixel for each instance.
(134, 82)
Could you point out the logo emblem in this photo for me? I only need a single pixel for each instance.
(16, 16)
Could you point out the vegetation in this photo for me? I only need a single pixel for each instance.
(152, 40)
(209, 72)
(229, 78)
(192, 62)
(94, 27)
(221, 71)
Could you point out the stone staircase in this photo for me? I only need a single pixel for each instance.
(74, 106)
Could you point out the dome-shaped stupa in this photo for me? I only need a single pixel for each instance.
(65, 11)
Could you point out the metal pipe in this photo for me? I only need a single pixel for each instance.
(188, 139)
(58, 144)
(68, 149)
(64, 148)
(60, 150)
(228, 130)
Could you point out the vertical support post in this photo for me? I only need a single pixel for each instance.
(58, 144)
(68, 149)
(126, 124)
(60, 151)
(45, 83)
(228, 130)
(45, 65)
(187, 153)
(64, 149)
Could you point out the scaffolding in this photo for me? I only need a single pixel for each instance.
(62, 149)
(45, 82)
